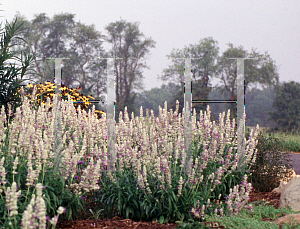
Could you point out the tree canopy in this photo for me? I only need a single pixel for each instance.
(63, 37)
(202, 70)
(286, 104)
(261, 70)
(125, 38)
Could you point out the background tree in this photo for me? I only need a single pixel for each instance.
(261, 70)
(9, 82)
(258, 104)
(126, 43)
(286, 104)
(204, 68)
(156, 97)
(63, 37)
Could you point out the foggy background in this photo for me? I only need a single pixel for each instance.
(271, 26)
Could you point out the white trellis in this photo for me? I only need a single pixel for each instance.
(110, 110)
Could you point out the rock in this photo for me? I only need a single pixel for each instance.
(286, 219)
(283, 183)
(280, 188)
(290, 194)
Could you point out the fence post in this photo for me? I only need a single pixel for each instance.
(241, 113)
(110, 114)
(188, 110)
(57, 113)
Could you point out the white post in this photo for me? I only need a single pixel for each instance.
(241, 128)
(188, 110)
(110, 114)
(57, 112)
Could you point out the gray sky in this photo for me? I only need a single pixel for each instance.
(271, 26)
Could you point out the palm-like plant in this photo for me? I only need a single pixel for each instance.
(9, 83)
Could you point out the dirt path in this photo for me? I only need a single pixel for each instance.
(295, 158)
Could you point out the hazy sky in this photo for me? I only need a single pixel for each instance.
(271, 26)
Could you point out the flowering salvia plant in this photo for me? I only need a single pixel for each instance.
(157, 162)
(27, 160)
(150, 182)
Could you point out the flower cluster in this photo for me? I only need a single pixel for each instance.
(35, 213)
(241, 197)
(12, 199)
(240, 200)
(3, 175)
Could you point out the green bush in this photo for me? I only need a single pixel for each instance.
(268, 163)
(9, 82)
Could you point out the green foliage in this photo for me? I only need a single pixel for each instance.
(228, 181)
(154, 98)
(163, 204)
(203, 68)
(133, 202)
(9, 83)
(269, 160)
(246, 219)
(55, 191)
(261, 70)
(127, 44)
(192, 225)
(258, 103)
(286, 103)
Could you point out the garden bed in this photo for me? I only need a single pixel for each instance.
(271, 197)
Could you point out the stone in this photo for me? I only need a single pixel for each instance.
(280, 188)
(283, 183)
(290, 195)
(286, 219)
